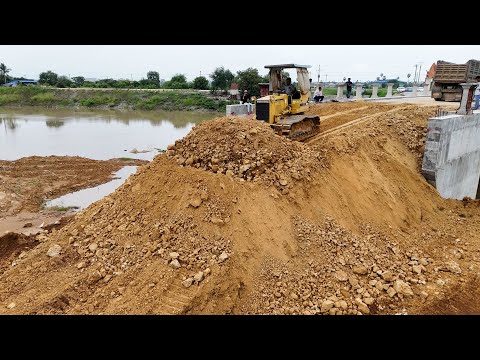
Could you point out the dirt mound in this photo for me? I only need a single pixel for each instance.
(366, 235)
(337, 272)
(410, 125)
(249, 150)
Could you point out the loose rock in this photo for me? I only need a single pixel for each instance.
(54, 250)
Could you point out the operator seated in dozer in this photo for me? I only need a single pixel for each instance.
(290, 90)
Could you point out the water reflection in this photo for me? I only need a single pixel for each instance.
(83, 198)
(179, 119)
(54, 123)
(103, 134)
(8, 122)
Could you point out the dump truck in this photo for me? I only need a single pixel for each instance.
(449, 76)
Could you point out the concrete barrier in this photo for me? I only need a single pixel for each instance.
(374, 91)
(358, 91)
(390, 89)
(339, 91)
(451, 161)
(245, 110)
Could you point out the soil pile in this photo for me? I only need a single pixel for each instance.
(410, 127)
(338, 272)
(364, 235)
(249, 150)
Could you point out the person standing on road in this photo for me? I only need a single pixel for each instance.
(477, 93)
(245, 97)
(349, 85)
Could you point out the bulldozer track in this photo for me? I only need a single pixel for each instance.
(349, 124)
(303, 137)
(177, 299)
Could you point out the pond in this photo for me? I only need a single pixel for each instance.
(98, 135)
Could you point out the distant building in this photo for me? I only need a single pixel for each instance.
(91, 79)
(264, 89)
(14, 83)
(431, 72)
(234, 91)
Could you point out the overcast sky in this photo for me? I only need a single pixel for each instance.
(360, 62)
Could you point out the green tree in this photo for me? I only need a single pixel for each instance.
(179, 78)
(106, 83)
(124, 84)
(153, 78)
(49, 78)
(4, 70)
(248, 80)
(153, 75)
(221, 79)
(178, 81)
(200, 82)
(63, 82)
(78, 80)
(148, 84)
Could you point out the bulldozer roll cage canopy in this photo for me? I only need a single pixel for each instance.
(286, 66)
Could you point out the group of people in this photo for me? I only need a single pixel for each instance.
(318, 96)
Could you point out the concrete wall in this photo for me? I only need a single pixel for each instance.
(451, 161)
(240, 110)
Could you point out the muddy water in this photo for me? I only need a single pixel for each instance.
(83, 198)
(99, 135)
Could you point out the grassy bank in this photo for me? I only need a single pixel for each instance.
(110, 98)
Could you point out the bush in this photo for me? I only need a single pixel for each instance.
(101, 100)
(44, 98)
(8, 98)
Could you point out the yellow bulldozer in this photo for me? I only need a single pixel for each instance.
(284, 108)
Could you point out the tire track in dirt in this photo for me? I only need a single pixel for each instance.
(343, 112)
(351, 123)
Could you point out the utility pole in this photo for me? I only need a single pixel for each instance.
(419, 71)
(319, 74)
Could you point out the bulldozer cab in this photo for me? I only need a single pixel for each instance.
(276, 80)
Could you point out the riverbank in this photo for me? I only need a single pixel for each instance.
(26, 183)
(128, 99)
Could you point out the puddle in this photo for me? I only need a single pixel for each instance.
(83, 198)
